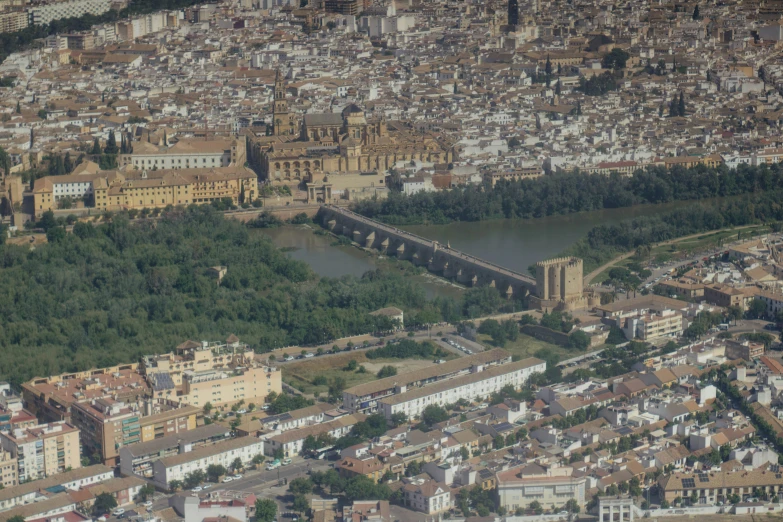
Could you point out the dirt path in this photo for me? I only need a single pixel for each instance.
(592, 275)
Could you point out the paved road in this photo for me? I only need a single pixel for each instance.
(255, 481)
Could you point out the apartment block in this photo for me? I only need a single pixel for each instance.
(518, 488)
(44, 450)
(36, 491)
(51, 398)
(45, 12)
(138, 458)
(480, 383)
(364, 397)
(291, 442)
(13, 20)
(223, 453)
(106, 426)
(217, 373)
(648, 326)
(9, 470)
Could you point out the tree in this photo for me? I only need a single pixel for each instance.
(434, 414)
(300, 504)
(278, 454)
(673, 111)
(146, 491)
(104, 503)
(387, 371)
(301, 486)
(236, 465)
(43, 114)
(579, 340)
(537, 508)
(215, 471)
(259, 459)
(111, 144)
(757, 309)
(193, 479)
(664, 504)
(499, 442)
(266, 510)
(557, 88)
(207, 408)
(96, 147)
(398, 419)
(413, 469)
(548, 67)
(616, 59)
(696, 15)
(681, 105)
(175, 485)
(572, 506)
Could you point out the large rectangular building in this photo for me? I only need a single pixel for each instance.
(72, 480)
(43, 450)
(224, 453)
(114, 190)
(138, 458)
(291, 442)
(480, 383)
(520, 487)
(106, 426)
(364, 397)
(220, 374)
(51, 398)
(187, 154)
(43, 13)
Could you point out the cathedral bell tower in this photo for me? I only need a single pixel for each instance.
(282, 120)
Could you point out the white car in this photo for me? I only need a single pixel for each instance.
(288, 358)
(206, 486)
(237, 477)
(308, 355)
(242, 412)
(147, 504)
(197, 489)
(227, 479)
(118, 512)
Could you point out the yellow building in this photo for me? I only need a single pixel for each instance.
(138, 189)
(167, 423)
(44, 450)
(217, 373)
(337, 155)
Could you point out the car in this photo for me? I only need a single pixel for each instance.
(197, 489)
(272, 466)
(308, 355)
(243, 411)
(227, 479)
(206, 486)
(288, 358)
(286, 462)
(118, 512)
(265, 407)
(147, 504)
(237, 476)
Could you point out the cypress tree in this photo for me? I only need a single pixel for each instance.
(68, 165)
(681, 106)
(96, 147)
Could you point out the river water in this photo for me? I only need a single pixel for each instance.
(514, 244)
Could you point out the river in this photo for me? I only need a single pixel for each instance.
(512, 243)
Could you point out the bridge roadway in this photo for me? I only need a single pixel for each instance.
(450, 263)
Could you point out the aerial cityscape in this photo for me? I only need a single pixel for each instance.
(391, 260)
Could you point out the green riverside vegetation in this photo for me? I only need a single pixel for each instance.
(109, 293)
(571, 192)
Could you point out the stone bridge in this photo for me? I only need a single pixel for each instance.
(442, 260)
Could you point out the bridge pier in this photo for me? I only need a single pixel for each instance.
(447, 262)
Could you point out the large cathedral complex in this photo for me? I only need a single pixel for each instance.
(338, 155)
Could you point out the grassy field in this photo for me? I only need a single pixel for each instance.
(301, 375)
(526, 346)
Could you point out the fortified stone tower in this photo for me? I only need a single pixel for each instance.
(559, 284)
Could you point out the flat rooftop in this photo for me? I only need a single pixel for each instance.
(436, 370)
(444, 385)
(188, 437)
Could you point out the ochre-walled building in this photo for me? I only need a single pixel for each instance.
(337, 155)
(138, 189)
